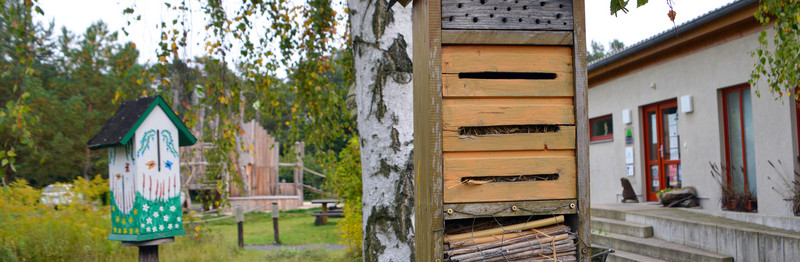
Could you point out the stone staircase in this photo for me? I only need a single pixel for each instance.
(647, 232)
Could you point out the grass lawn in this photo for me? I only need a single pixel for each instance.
(296, 227)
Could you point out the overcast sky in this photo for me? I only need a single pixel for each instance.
(637, 25)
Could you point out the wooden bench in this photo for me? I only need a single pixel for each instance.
(322, 216)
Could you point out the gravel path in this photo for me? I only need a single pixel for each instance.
(273, 247)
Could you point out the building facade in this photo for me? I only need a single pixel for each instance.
(664, 110)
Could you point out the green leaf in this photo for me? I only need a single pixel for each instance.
(39, 10)
(5, 162)
(640, 3)
(128, 11)
(13, 168)
(11, 153)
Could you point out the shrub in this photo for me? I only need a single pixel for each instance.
(345, 182)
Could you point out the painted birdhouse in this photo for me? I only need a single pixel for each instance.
(142, 139)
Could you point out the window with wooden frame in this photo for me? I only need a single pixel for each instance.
(739, 141)
(601, 129)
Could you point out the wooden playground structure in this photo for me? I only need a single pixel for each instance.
(258, 171)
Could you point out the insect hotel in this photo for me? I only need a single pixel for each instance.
(501, 134)
(142, 139)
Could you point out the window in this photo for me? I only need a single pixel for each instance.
(739, 144)
(601, 129)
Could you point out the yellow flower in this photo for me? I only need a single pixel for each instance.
(123, 221)
(113, 209)
(125, 231)
(196, 228)
(117, 220)
(134, 212)
(137, 231)
(130, 220)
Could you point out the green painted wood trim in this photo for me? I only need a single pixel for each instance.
(185, 138)
(145, 237)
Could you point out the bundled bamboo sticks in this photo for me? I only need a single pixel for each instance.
(540, 240)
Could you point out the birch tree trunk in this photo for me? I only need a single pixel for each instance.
(382, 46)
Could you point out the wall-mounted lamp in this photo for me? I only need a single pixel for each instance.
(626, 116)
(686, 104)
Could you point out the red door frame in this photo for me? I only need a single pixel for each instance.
(660, 161)
(726, 91)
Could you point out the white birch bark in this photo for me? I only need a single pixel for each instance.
(383, 70)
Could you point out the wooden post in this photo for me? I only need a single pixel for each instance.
(239, 211)
(299, 150)
(148, 250)
(148, 253)
(275, 215)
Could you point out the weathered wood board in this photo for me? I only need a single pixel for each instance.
(455, 87)
(507, 14)
(509, 163)
(498, 58)
(564, 138)
(496, 112)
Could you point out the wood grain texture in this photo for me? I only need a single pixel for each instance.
(556, 207)
(429, 217)
(506, 37)
(453, 86)
(498, 58)
(506, 14)
(582, 126)
(494, 112)
(508, 163)
(563, 139)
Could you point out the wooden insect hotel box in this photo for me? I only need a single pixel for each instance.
(142, 139)
(501, 130)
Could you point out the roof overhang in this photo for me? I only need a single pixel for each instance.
(725, 24)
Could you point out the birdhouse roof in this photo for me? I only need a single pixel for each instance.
(120, 128)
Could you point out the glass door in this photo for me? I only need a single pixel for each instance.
(662, 147)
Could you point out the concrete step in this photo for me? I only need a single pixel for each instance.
(622, 256)
(608, 213)
(621, 227)
(655, 248)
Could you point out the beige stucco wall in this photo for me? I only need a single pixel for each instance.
(700, 75)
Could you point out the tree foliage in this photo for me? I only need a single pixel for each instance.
(257, 41)
(599, 51)
(779, 48)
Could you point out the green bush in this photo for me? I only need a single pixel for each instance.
(345, 182)
(32, 231)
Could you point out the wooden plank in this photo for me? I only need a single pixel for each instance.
(453, 86)
(583, 222)
(507, 163)
(506, 37)
(505, 14)
(498, 58)
(495, 112)
(563, 139)
(429, 218)
(503, 209)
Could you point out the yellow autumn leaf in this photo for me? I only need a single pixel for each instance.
(139, 82)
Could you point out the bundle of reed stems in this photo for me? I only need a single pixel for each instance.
(540, 240)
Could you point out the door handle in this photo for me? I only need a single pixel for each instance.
(661, 150)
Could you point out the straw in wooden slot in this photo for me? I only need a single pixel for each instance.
(456, 250)
(500, 230)
(526, 251)
(567, 246)
(533, 244)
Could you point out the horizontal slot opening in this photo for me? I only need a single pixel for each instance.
(480, 180)
(508, 75)
(505, 130)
